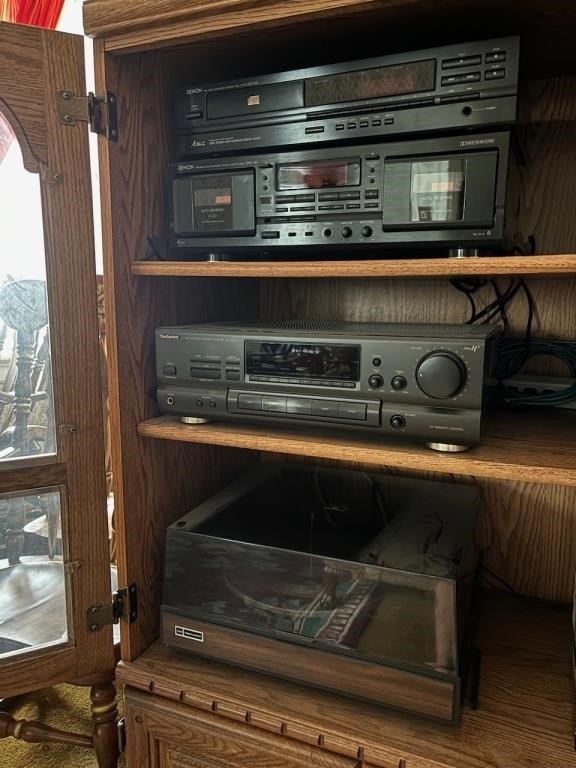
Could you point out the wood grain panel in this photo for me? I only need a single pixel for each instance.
(434, 697)
(134, 25)
(417, 301)
(548, 138)
(529, 535)
(22, 89)
(31, 670)
(188, 739)
(546, 266)
(71, 286)
(508, 449)
(35, 64)
(154, 484)
(524, 717)
(36, 475)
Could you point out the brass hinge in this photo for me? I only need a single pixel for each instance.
(121, 728)
(99, 111)
(124, 606)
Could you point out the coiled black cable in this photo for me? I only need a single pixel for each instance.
(513, 354)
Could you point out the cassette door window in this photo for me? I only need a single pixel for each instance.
(454, 189)
(219, 203)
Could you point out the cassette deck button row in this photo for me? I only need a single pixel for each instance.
(302, 406)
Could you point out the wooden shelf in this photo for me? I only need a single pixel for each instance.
(549, 266)
(525, 700)
(537, 447)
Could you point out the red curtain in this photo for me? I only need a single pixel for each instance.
(38, 13)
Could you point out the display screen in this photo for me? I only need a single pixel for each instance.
(318, 174)
(437, 190)
(337, 362)
(414, 77)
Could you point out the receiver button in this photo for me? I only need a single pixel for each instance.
(205, 373)
(356, 411)
(494, 74)
(270, 235)
(232, 375)
(328, 409)
(314, 129)
(274, 404)
(299, 405)
(249, 403)
(491, 58)
(398, 383)
(169, 370)
(461, 61)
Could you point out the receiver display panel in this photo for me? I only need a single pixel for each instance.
(296, 360)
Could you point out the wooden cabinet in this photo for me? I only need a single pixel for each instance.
(525, 466)
(210, 711)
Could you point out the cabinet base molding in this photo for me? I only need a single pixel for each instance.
(524, 717)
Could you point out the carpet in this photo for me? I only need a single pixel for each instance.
(64, 706)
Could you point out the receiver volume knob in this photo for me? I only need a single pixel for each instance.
(346, 232)
(441, 375)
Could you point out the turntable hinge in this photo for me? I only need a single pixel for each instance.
(99, 111)
(124, 606)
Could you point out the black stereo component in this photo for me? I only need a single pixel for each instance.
(456, 87)
(448, 191)
(421, 382)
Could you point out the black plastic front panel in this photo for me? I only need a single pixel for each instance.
(457, 87)
(448, 191)
(203, 374)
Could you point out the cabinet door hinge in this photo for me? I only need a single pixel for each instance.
(121, 726)
(99, 111)
(124, 606)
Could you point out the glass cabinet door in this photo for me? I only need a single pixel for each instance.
(54, 555)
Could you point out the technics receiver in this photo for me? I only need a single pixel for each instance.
(421, 382)
(443, 191)
(456, 87)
